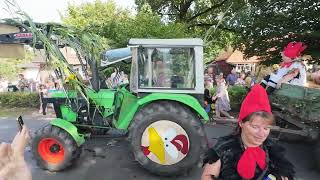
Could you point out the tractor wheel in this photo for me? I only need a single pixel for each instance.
(54, 149)
(317, 154)
(167, 138)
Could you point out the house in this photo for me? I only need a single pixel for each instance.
(228, 59)
(220, 64)
(241, 63)
(32, 70)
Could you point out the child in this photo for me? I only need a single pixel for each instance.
(222, 98)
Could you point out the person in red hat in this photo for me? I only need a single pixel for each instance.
(248, 153)
(291, 70)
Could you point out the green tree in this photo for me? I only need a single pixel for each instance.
(192, 12)
(206, 19)
(119, 25)
(267, 26)
(9, 68)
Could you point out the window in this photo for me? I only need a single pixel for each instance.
(166, 68)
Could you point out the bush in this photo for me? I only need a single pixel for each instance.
(19, 99)
(236, 95)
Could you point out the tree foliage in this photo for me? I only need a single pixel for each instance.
(267, 26)
(119, 25)
(192, 12)
(205, 19)
(257, 25)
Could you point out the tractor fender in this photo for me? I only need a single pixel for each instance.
(188, 100)
(70, 128)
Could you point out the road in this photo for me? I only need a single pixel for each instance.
(106, 159)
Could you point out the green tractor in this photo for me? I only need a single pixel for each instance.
(160, 110)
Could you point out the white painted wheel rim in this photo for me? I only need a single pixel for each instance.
(165, 142)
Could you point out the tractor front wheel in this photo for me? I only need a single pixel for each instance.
(54, 149)
(167, 138)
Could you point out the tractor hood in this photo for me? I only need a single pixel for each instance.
(113, 56)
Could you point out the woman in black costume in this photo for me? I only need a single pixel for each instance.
(249, 153)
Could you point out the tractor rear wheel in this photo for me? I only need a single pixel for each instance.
(54, 149)
(167, 138)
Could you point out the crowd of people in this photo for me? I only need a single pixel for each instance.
(220, 100)
(291, 70)
(25, 85)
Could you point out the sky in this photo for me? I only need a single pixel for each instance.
(48, 10)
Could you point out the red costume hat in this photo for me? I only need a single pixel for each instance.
(256, 100)
(294, 50)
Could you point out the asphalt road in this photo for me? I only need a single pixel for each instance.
(106, 159)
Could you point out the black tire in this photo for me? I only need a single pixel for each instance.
(179, 114)
(317, 154)
(64, 142)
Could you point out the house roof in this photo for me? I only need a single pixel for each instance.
(237, 57)
(224, 54)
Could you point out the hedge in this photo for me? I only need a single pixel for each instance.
(19, 99)
(236, 95)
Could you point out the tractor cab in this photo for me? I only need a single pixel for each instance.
(162, 65)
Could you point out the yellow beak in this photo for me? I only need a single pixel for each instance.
(156, 144)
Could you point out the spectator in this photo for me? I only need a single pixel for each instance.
(43, 92)
(241, 80)
(33, 85)
(23, 83)
(222, 102)
(12, 163)
(250, 80)
(210, 74)
(232, 78)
